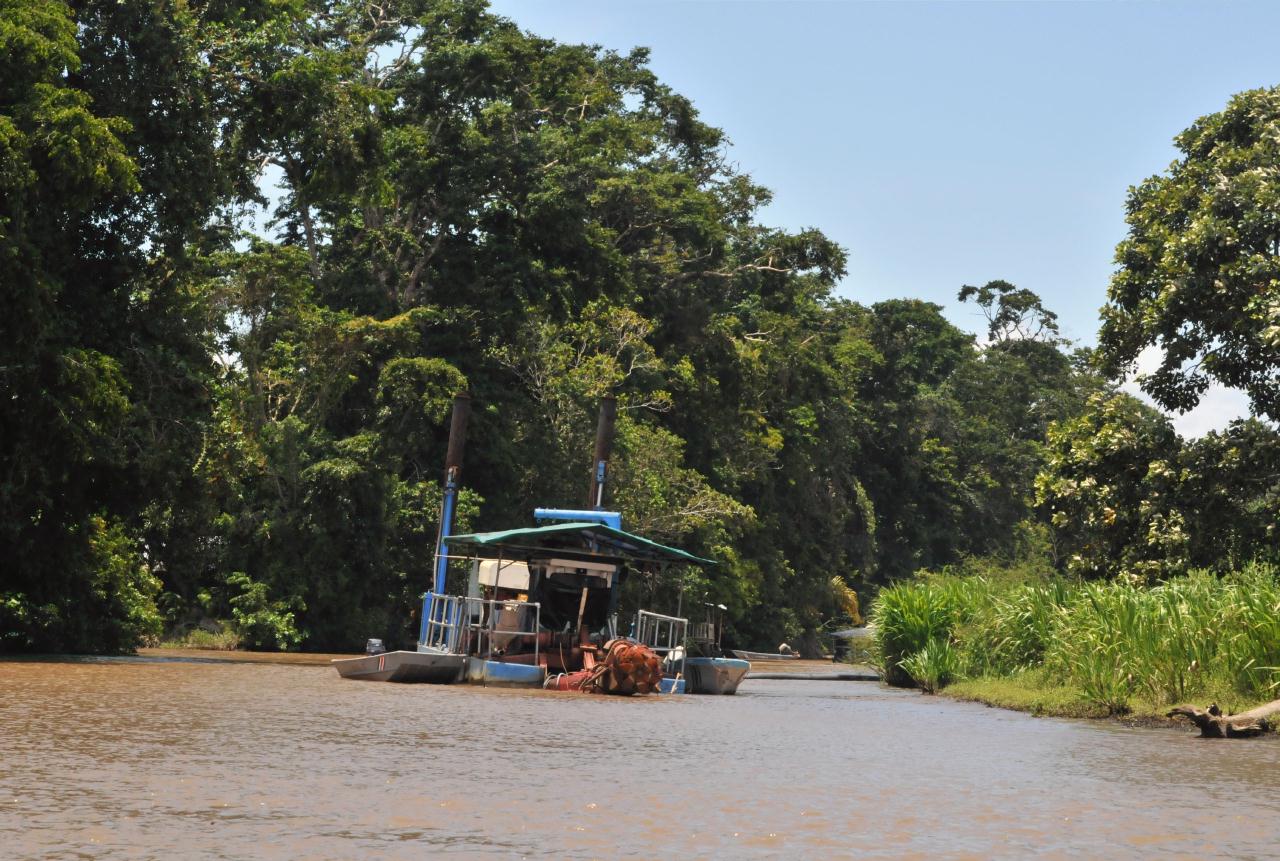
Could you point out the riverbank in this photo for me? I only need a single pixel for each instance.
(167, 653)
(1051, 646)
(1032, 693)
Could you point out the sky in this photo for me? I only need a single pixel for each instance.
(949, 143)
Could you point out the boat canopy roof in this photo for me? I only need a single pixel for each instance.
(607, 541)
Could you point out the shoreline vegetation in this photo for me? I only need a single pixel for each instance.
(1053, 646)
(222, 640)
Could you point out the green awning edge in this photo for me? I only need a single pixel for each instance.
(516, 537)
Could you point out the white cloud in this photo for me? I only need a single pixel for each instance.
(1218, 407)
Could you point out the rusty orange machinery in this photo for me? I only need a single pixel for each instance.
(626, 668)
(620, 666)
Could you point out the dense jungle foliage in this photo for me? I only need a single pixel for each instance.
(207, 422)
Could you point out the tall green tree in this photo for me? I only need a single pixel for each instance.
(994, 412)
(1199, 272)
(1111, 488)
(74, 580)
(1230, 494)
(572, 220)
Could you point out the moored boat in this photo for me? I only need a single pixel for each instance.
(403, 666)
(714, 675)
(537, 601)
(710, 672)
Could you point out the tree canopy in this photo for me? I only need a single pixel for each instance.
(1199, 272)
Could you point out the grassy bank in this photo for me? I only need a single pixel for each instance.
(225, 640)
(1053, 646)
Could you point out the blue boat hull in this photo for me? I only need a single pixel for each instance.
(499, 674)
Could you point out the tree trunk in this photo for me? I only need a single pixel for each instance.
(1214, 724)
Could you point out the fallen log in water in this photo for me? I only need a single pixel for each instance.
(1214, 724)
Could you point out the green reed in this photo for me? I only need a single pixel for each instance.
(934, 666)
(1114, 641)
(907, 617)
(1011, 630)
(1252, 620)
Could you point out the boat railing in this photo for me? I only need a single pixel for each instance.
(489, 620)
(443, 622)
(462, 625)
(663, 634)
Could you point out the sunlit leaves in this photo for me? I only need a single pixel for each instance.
(1109, 485)
(1199, 274)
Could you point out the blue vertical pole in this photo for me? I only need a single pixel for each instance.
(452, 473)
(446, 522)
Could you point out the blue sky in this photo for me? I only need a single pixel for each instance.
(949, 143)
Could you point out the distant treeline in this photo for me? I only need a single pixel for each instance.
(204, 423)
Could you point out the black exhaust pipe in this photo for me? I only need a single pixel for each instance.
(604, 447)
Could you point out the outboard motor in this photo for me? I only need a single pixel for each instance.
(374, 647)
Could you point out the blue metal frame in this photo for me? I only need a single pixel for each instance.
(442, 552)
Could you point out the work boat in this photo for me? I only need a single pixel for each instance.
(548, 597)
(710, 671)
(540, 604)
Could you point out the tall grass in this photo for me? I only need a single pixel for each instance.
(934, 666)
(1252, 620)
(907, 618)
(1013, 628)
(1113, 641)
(1092, 640)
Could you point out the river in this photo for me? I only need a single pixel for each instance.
(155, 758)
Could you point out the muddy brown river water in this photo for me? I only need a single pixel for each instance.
(179, 759)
